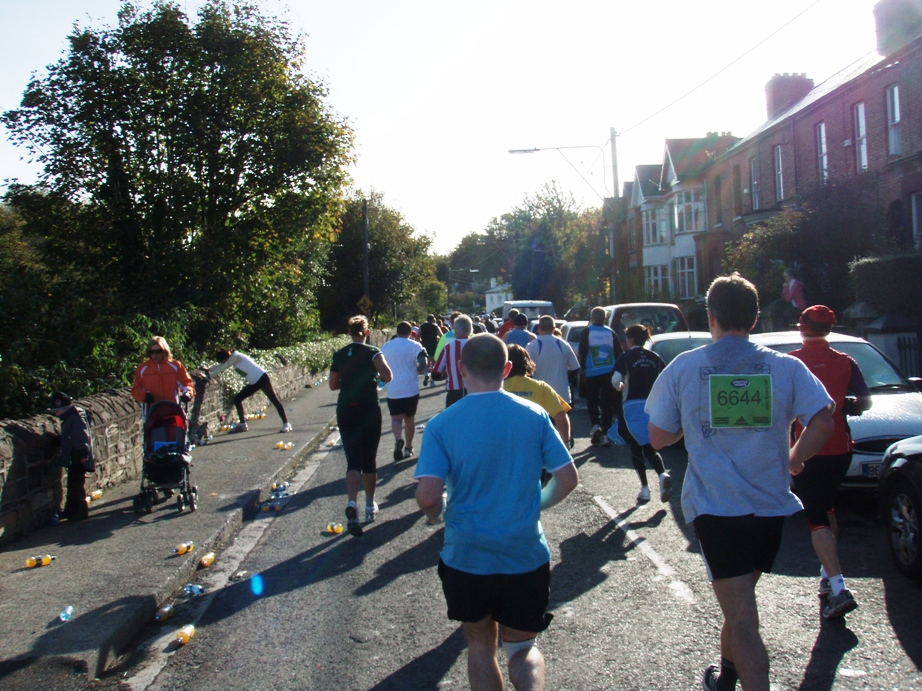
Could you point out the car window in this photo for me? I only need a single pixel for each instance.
(573, 334)
(877, 371)
(669, 349)
(659, 319)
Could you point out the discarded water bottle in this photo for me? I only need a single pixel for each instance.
(96, 494)
(39, 560)
(184, 634)
(184, 547)
(206, 560)
(335, 528)
(194, 589)
(164, 613)
(279, 486)
(66, 613)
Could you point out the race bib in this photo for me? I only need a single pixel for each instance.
(602, 355)
(740, 400)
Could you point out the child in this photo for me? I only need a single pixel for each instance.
(77, 454)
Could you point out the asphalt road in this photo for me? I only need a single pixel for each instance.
(633, 609)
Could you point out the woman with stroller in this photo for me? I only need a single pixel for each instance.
(160, 377)
(257, 380)
(635, 372)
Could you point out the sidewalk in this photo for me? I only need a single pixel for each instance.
(117, 567)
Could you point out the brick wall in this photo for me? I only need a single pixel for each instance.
(29, 478)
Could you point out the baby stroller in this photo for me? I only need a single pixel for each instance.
(166, 458)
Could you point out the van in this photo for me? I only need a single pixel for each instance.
(661, 317)
(530, 308)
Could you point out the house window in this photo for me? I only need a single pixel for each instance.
(894, 138)
(656, 278)
(689, 211)
(686, 285)
(737, 192)
(718, 201)
(654, 226)
(917, 220)
(754, 183)
(779, 178)
(861, 138)
(822, 156)
(632, 235)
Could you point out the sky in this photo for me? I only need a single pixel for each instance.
(437, 93)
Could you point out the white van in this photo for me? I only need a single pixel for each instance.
(530, 308)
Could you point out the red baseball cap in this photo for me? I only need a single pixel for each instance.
(817, 320)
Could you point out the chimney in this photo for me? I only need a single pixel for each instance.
(784, 90)
(899, 22)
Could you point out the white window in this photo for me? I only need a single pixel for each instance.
(894, 138)
(656, 278)
(779, 177)
(689, 211)
(686, 285)
(654, 227)
(917, 220)
(632, 235)
(822, 156)
(861, 138)
(754, 183)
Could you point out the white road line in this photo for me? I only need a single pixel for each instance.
(678, 587)
(160, 646)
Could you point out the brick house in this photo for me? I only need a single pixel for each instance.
(867, 117)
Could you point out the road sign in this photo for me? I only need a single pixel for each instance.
(365, 304)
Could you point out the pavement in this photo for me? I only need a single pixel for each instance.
(116, 568)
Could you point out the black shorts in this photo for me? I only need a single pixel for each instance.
(360, 430)
(738, 545)
(817, 484)
(518, 601)
(403, 406)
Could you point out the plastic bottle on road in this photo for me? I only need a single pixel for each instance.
(67, 613)
(194, 589)
(39, 560)
(96, 494)
(164, 613)
(184, 634)
(206, 560)
(184, 547)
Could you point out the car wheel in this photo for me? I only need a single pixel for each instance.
(903, 507)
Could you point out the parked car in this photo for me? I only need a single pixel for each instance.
(668, 345)
(661, 317)
(901, 504)
(530, 308)
(533, 325)
(570, 332)
(896, 412)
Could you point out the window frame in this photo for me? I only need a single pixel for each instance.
(685, 277)
(653, 223)
(688, 205)
(656, 284)
(894, 131)
(754, 182)
(860, 127)
(822, 152)
(779, 173)
(916, 206)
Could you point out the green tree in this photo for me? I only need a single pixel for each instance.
(399, 265)
(211, 161)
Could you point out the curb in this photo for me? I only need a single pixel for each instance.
(119, 641)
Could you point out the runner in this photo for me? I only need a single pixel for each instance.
(353, 373)
(447, 366)
(402, 354)
(734, 402)
(598, 350)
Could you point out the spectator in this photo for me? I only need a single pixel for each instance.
(793, 290)
(160, 377)
(257, 380)
(77, 455)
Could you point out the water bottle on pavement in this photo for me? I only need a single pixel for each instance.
(184, 634)
(96, 494)
(164, 613)
(184, 547)
(194, 589)
(67, 613)
(206, 560)
(39, 560)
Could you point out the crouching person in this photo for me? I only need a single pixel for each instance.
(495, 563)
(77, 455)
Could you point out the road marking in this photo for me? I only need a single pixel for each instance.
(678, 587)
(160, 647)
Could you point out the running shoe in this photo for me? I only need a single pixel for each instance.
(709, 680)
(595, 436)
(605, 440)
(352, 520)
(426, 380)
(839, 605)
(398, 450)
(408, 452)
(644, 495)
(241, 427)
(665, 487)
(371, 512)
(286, 427)
(825, 588)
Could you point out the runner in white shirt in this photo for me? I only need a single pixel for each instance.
(402, 354)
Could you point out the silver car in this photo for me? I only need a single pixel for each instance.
(896, 412)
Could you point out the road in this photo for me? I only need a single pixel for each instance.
(633, 609)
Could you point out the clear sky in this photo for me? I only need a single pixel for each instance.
(438, 92)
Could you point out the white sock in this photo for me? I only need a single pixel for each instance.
(837, 583)
(823, 573)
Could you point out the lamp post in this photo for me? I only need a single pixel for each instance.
(609, 222)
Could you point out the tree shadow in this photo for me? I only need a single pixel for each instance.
(426, 672)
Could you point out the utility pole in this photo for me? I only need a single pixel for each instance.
(365, 224)
(615, 213)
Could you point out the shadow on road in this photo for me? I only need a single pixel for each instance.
(833, 641)
(426, 672)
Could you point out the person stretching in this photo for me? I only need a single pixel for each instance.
(257, 380)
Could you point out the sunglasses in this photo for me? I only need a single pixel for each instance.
(154, 351)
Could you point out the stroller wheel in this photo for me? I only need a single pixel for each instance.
(179, 503)
(136, 504)
(149, 501)
(192, 501)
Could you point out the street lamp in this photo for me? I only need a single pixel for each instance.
(610, 225)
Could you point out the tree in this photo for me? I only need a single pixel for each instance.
(399, 266)
(212, 162)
